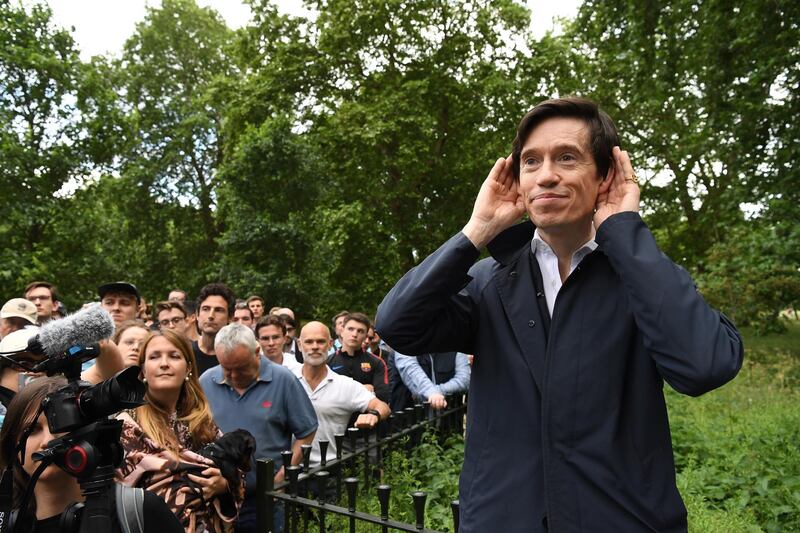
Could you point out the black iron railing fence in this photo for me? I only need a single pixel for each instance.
(313, 497)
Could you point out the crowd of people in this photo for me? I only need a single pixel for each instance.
(211, 366)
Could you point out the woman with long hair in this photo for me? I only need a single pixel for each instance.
(25, 433)
(162, 438)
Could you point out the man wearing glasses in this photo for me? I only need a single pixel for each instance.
(172, 315)
(43, 295)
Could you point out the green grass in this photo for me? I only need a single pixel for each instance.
(737, 449)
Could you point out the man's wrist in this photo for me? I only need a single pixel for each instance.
(479, 233)
(373, 412)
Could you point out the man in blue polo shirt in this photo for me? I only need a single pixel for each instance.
(247, 391)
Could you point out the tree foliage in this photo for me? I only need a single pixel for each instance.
(313, 161)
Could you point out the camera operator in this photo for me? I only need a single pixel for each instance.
(22, 435)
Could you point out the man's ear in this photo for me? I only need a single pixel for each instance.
(605, 183)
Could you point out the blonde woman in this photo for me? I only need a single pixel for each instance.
(162, 438)
(129, 337)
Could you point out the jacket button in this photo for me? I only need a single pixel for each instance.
(512, 274)
(531, 323)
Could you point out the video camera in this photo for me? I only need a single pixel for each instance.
(91, 449)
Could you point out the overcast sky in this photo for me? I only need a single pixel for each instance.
(102, 26)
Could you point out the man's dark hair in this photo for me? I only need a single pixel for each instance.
(288, 320)
(603, 136)
(243, 305)
(270, 320)
(253, 298)
(190, 307)
(36, 284)
(166, 306)
(358, 317)
(217, 289)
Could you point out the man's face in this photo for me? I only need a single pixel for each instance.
(242, 316)
(172, 319)
(239, 366)
(6, 327)
(257, 307)
(339, 326)
(271, 338)
(213, 314)
(354, 335)
(558, 177)
(178, 296)
(42, 298)
(373, 339)
(120, 305)
(315, 341)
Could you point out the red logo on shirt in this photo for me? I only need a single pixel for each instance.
(366, 367)
(266, 404)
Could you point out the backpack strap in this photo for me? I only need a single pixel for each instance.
(130, 508)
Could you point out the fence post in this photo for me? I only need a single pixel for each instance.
(322, 487)
(265, 483)
(419, 507)
(286, 457)
(306, 449)
(384, 491)
(351, 484)
(323, 452)
(455, 506)
(339, 440)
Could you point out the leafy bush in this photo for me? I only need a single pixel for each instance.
(737, 453)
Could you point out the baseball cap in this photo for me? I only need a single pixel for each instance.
(19, 307)
(119, 286)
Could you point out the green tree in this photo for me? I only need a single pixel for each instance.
(41, 131)
(400, 114)
(691, 86)
(169, 73)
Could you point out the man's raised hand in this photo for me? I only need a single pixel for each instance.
(498, 205)
(622, 193)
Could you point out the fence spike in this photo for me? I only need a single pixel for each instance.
(339, 440)
(454, 506)
(293, 473)
(323, 452)
(306, 449)
(384, 491)
(419, 507)
(322, 485)
(351, 484)
(286, 457)
(352, 436)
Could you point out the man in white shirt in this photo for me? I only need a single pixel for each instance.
(271, 333)
(335, 397)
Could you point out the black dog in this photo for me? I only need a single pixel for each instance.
(231, 452)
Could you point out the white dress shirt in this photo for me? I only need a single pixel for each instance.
(548, 264)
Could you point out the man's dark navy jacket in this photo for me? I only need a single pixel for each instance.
(567, 426)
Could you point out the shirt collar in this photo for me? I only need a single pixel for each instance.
(538, 244)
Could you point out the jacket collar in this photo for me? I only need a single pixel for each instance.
(507, 246)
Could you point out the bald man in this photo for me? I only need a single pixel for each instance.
(335, 397)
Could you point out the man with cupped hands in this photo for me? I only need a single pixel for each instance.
(576, 321)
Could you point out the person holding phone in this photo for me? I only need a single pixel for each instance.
(161, 439)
